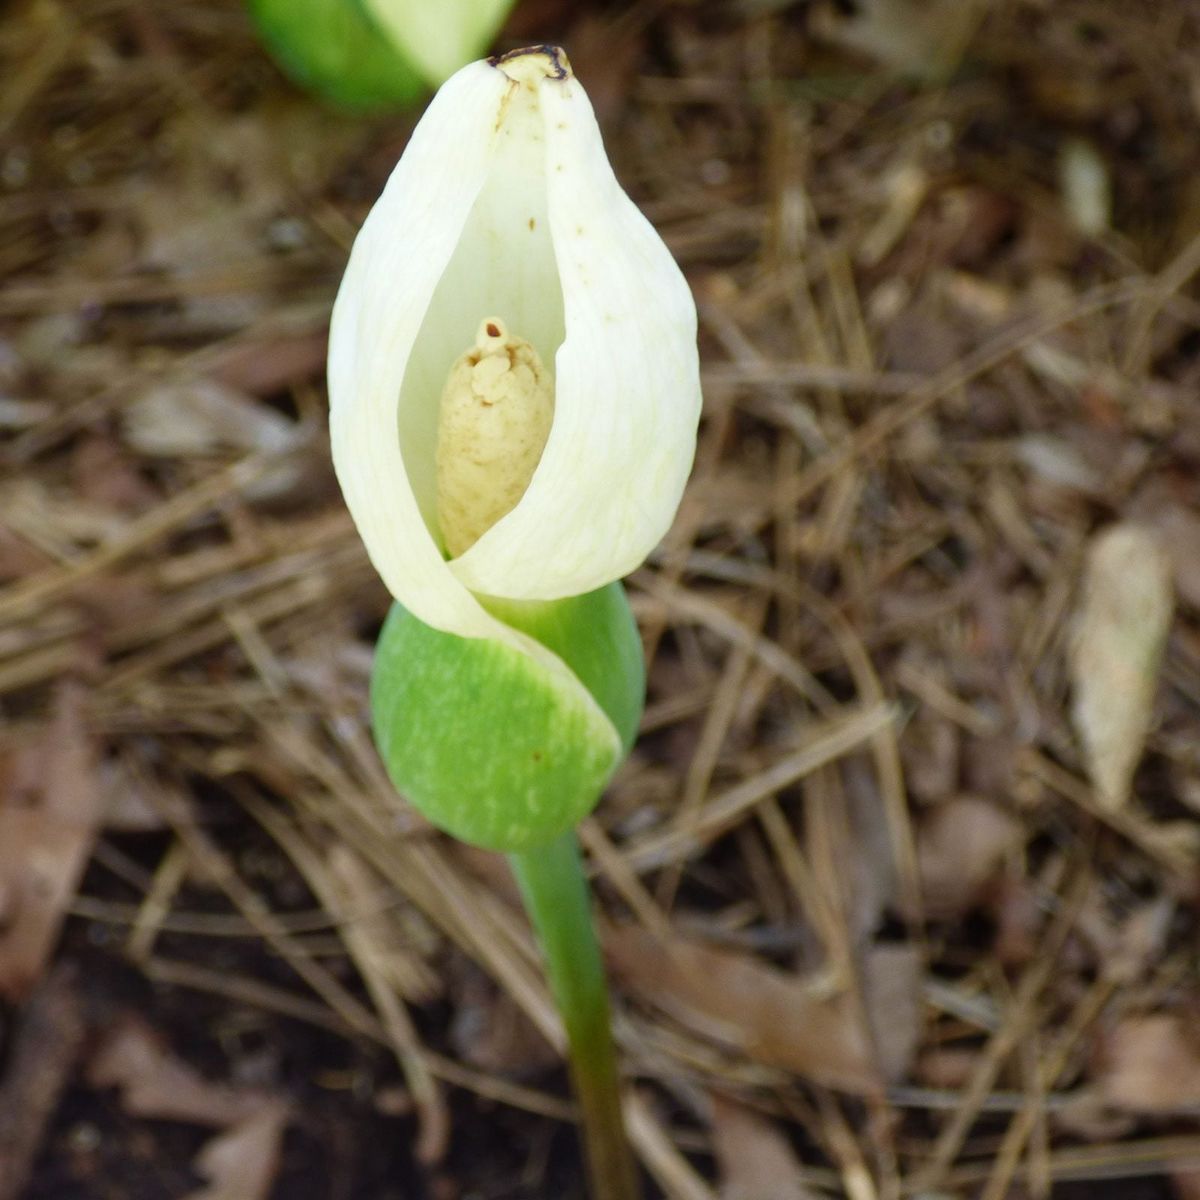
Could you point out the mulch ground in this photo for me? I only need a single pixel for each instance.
(899, 888)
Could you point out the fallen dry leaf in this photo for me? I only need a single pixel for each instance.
(1058, 461)
(772, 1017)
(756, 1161)
(1016, 907)
(18, 557)
(102, 473)
(1150, 1063)
(863, 854)
(241, 1164)
(1128, 946)
(1125, 613)
(42, 1046)
(192, 417)
(1085, 184)
(961, 846)
(154, 1083)
(50, 812)
(946, 1066)
(263, 366)
(891, 983)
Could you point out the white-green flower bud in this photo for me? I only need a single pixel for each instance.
(548, 459)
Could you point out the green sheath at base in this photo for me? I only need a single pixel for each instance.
(490, 745)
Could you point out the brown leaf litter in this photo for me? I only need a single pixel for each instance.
(240, 1162)
(900, 882)
(748, 1007)
(1125, 615)
(50, 814)
(755, 1159)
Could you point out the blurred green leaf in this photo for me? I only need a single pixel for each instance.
(335, 49)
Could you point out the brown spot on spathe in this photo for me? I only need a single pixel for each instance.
(559, 66)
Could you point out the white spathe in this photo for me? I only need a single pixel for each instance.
(440, 35)
(505, 205)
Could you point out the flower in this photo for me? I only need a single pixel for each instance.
(504, 214)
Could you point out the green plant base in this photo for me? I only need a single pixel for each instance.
(488, 743)
(556, 895)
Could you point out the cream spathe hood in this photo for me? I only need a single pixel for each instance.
(505, 204)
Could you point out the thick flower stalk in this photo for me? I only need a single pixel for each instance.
(514, 392)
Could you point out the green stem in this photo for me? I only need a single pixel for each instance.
(556, 896)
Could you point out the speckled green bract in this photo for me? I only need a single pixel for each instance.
(491, 746)
(597, 637)
(334, 48)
